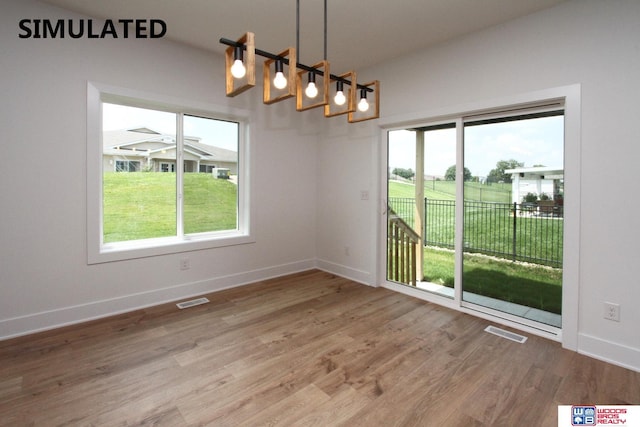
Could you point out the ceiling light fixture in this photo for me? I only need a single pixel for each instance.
(285, 81)
(233, 54)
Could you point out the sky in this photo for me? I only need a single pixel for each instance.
(533, 142)
(537, 141)
(213, 132)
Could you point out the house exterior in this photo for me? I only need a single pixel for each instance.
(537, 180)
(143, 149)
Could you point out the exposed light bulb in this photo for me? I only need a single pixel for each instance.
(339, 99)
(238, 70)
(279, 80)
(363, 105)
(311, 91)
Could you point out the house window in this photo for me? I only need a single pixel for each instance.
(167, 167)
(166, 201)
(127, 166)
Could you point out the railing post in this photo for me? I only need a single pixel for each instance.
(515, 220)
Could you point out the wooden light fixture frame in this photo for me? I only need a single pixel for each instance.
(320, 69)
(355, 117)
(288, 58)
(249, 46)
(350, 96)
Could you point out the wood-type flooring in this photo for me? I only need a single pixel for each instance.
(309, 349)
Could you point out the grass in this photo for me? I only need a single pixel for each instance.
(489, 228)
(139, 205)
(489, 231)
(525, 284)
(446, 190)
(499, 193)
(142, 205)
(408, 190)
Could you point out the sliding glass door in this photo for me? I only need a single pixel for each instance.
(421, 195)
(513, 214)
(485, 191)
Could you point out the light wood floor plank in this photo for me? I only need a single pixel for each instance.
(307, 349)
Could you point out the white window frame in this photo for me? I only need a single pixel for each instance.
(97, 250)
(571, 97)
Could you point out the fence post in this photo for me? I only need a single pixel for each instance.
(515, 219)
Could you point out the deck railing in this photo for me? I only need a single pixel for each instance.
(403, 241)
(519, 232)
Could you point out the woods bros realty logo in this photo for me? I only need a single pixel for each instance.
(87, 28)
(598, 415)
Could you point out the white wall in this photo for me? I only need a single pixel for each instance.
(312, 208)
(44, 277)
(346, 166)
(595, 44)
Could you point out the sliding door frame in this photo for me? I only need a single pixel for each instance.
(569, 96)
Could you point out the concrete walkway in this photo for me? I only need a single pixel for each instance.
(507, 307)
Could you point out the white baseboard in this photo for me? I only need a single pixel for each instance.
(610, 352)
(360, 276)
(627, 357)
(37, 322)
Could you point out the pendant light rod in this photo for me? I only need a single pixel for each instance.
(297, 27)
(269, 55)
(325, 30)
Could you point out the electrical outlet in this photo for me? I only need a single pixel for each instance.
(185, 264)
(364, 195)
(612, 311)
(347, 251)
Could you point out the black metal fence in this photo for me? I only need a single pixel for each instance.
(519, 232)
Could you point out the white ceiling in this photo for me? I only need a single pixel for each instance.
(360, 32)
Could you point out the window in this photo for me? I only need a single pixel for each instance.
(127, 166)
(207, 168)
(167, 167)
(150, 166)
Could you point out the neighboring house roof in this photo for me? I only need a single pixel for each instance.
(143, 141)
(538, 172)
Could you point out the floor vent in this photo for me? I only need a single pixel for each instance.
(506, 334)
(187, 304)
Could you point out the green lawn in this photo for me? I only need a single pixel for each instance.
(142, 205)
(500, 193)
(407, 190)
(526, 284)
(446, 190)
(489, 230)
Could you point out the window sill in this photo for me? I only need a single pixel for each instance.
(121, 251)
